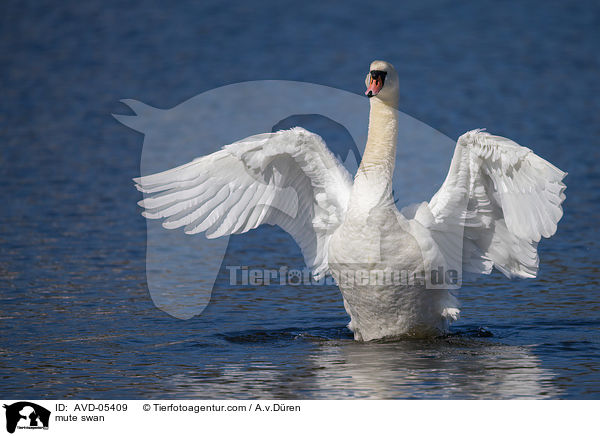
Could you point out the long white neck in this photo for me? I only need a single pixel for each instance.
(380, 151)
(373, 181)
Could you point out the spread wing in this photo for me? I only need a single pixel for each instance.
(288, 178)
(500, 198)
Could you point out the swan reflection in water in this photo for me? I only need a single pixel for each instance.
(453, 367)
(456, 368)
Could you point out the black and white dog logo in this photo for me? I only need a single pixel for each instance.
(26, 415)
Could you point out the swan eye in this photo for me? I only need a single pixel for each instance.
(378, 75)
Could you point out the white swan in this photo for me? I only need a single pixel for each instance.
(496, 203)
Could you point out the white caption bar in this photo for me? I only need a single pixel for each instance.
(265, 417)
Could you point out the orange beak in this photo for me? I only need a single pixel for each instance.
(375, 86)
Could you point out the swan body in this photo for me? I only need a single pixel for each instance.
(497, 201)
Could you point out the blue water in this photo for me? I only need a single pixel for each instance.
(76, 317)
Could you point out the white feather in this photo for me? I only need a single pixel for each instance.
(513, 198)
(288, 178)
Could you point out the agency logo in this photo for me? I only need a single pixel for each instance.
(26, 415)
(181, 270)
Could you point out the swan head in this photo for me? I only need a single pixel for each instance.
(382, 82)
